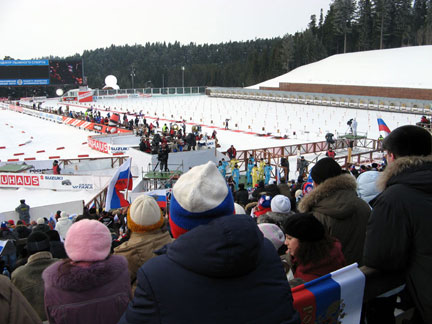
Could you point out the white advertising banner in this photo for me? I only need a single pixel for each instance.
(49, 181)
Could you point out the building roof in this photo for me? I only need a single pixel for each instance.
(405, 67)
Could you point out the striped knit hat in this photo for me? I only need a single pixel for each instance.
(144, 215)
(198, 197)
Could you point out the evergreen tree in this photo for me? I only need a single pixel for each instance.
(344, 15)
(402, 31)
(419, 21)
(382, 19)
(365, 25)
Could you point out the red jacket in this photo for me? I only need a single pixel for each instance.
(331, 154)
(56, 169)
(335, 261)
(232, 152)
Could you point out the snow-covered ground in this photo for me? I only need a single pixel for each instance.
(407, 67)
(309, 122)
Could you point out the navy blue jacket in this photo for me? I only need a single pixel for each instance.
(222, 272)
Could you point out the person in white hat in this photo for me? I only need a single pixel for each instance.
(220, 269)
(145, 222)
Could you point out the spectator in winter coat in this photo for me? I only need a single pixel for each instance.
(91, 286)
(56, 167)
(366, 185)
(399, 231)
(145, 221)
(56, 246)
(41, 225)
(28, 278)
(334, 202)
(262, 207)
(23, 211)
(302, 165)
(285, 190)
(163, 157)
(21, 230)
(232, 152)
(313, 253)
(63, 224)
(216, 254)
(280, 211)
(330, 153)
(257, 193)
(14, 307)
(274, 234)
(241, 196)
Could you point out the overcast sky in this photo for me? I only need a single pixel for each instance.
(36, 28)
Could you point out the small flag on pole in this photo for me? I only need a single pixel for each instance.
(121, 180)
(383, 127)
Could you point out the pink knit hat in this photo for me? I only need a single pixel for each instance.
(88, 240)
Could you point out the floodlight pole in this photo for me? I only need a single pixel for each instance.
(183, 69)
(132, 76)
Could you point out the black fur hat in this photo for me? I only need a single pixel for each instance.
(408, 140)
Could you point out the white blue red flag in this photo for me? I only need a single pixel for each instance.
(383, 127)
(308, 185)
(120, 181)
(160, 196)
(333, 298)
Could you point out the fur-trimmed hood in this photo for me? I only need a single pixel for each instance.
(411, 170)
(81, 278)
(332, 197)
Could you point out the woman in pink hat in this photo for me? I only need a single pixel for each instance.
(91, 286)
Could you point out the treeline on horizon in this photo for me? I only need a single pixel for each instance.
(347, 26)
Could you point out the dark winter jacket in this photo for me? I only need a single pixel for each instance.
(28, 279)
(222, 272)
(399, 233)
(241, 197)
(336, 205)
(22, 231)
(8, 234)
(163, 153)
(272, 190)
(23, 211)
(41, 228)
(57, 250)
(94, 293)
(284, 189)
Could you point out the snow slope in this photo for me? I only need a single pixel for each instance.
(407, 67)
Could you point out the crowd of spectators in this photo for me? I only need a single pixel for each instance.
(220, 253)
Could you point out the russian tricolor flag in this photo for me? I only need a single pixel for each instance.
(308, 185)
(160, 196)
(121, 180)
(383, 127)
(333, 298)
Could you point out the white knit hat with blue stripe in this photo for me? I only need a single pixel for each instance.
(199, 196)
